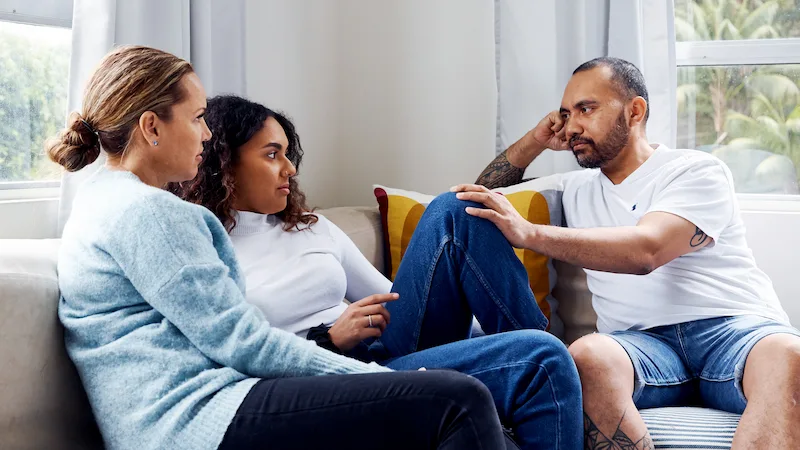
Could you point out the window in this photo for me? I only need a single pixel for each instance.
(34, 78)
(739, 88)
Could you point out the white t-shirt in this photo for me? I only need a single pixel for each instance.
(721, 279)
(298, 279)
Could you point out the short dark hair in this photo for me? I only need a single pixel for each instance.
(626, 76)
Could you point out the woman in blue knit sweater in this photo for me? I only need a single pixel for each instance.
(152, 301)
(299, 266)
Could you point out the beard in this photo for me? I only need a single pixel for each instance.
(598, 154)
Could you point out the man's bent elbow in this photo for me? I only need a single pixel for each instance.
(646, 265)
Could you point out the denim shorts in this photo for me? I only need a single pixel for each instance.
(699, 363)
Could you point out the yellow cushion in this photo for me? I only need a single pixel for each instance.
(539, 201)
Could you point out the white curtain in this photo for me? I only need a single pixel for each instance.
(208, 33)
(540, 43)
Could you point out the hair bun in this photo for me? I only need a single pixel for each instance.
(77, 146)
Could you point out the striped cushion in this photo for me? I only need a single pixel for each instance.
(690, 428)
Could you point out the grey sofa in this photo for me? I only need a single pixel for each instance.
(42, 404)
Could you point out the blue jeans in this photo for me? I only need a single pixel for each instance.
(695, 363)
(457, 266)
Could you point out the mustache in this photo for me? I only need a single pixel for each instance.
(576, 140)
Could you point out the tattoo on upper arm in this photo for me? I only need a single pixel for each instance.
(699, 238)
(500, 173)
(596, 440)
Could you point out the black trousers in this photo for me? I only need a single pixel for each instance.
(399, 410)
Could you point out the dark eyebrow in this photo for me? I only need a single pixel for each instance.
(563, 110)
(585, 103)
(274, 145)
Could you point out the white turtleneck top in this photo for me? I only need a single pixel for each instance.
(299, 278)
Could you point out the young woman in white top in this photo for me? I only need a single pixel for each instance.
(300, 267)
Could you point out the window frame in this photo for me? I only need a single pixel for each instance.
(31, 190)
(26, 19)
(744, 53)
(738, 52)
(56, 13)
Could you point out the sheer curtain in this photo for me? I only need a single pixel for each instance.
(540, 43)
(208, 33)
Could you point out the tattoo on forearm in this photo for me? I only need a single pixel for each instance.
(500, 173)
(596, 440)
(699, 238)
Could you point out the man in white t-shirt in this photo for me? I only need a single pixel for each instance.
(685, 315)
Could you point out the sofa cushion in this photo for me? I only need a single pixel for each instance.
(363, 226)
(42, 403)
(574, 302)
(539, 201)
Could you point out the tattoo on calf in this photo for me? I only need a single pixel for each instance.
(699, 238)
(500, 173)
(596, 440)
(623, 441)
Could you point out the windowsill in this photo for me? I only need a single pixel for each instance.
(30, 190)
(738, 52)
(769, 203)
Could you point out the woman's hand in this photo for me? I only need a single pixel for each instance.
(363, 319)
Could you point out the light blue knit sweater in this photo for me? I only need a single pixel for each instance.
(156, 322)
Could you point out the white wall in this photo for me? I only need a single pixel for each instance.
(418, 81)
(386, 92)
(293, 65)
(775, 241)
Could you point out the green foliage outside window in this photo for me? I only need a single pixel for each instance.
(741, 112)
(34, 72)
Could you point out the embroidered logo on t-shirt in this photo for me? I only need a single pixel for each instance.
(634, 207)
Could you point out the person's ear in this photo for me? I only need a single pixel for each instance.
(638, 111)
(148, 124)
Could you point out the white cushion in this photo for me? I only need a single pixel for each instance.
(32, 256)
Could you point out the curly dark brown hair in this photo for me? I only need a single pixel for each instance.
(233, 121)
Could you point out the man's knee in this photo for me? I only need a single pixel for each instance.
(774, 364)
(791, 354)
(600, 359)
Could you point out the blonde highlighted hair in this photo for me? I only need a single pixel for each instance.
(129, 81)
